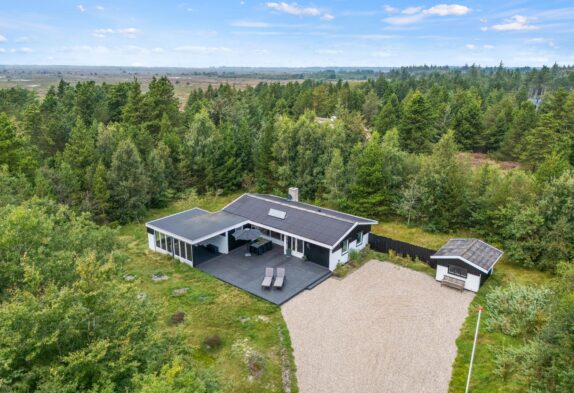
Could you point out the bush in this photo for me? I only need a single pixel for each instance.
(516, 309)
(212, 342)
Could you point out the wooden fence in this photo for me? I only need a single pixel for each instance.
(407, 250)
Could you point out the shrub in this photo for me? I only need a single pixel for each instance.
(177, 318)
(212, 342)
(516, 309)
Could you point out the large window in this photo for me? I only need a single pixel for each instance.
(176, 247)
(457, 271)
(359, 238)
(345, 248)
(188, 252)
(157, 239)
(299, 247)
(169, 243)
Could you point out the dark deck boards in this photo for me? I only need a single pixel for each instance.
(247, 272)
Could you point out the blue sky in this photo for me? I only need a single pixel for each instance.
(293, 34)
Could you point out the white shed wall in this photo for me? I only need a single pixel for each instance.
(471, 283)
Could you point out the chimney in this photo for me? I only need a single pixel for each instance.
(294, 194)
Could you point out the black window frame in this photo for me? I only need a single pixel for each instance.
(457, 271)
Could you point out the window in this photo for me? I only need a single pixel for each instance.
(457, 271)
(176, 247)
(359, 238)
(169, 244)
(299, 247)
(275, 235)
(162, 241)
(345, 248)
(182, 248)
(158, 239)
(188, 252)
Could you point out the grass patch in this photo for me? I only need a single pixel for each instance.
(415, 235)
(211, 309)
(489, 343)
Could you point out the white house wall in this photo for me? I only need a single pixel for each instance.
(218, 241)
(151, 241)
(471, 283)
(337, 257)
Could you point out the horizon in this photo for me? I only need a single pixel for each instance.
(263, 34)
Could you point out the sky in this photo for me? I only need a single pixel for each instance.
(340, 33)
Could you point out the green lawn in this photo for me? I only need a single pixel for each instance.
(489, 343)
(250, 328)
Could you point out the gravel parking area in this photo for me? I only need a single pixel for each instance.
(383, 328)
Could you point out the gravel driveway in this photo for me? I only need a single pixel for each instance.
(383, 328)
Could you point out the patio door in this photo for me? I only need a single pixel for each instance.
(288, 245)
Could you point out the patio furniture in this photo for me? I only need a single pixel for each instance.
(280, 278)
(248, 234)
(261, 246)
(268, 277)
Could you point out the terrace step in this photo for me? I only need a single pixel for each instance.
(319, 280)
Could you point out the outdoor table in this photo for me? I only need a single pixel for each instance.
(261, 246)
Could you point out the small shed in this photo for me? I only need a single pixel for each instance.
(465, 262)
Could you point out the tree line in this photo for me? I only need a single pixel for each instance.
(384, 148)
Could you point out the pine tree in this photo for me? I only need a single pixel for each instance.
(416, 125)
(334, 183)
(467, 122)
(388, 117)
(371, 107)
(263, 160)
(100, 192)
(128, 184)
(158, 169)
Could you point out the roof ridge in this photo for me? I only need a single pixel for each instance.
(323, 209)
(299, 208)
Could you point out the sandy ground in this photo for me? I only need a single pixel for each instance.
(383, 328)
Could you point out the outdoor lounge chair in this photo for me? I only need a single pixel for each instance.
(268, 277)
(280, 277)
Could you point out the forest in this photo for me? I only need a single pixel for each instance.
(87, 157)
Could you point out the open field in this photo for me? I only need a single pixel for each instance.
(255, 342)
(383, 328)
(184, 81)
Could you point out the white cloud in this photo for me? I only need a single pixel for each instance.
(23, 39)
(328, 17)
(447, 9)
(21, 50)
(411, 10)
(404, 20)
(241, 2)
(2, 50)
(293, 9)
(129, 32)
(416, 14)
(99, 8)
(488, 46)
(389, 9)
(250, 24)
(328, 52)
(516, 23)
(81, 8)
(470, 46)
(202, 49)
(380, 53)
(3, 39)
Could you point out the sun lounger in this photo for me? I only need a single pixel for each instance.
(280, 277)
(268, 277)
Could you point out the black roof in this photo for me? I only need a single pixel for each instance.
(475, 251)
(196, 223)
(318, 209)
(311, 222)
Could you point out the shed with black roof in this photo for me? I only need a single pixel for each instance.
(468, 262)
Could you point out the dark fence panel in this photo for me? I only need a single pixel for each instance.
(384, 244)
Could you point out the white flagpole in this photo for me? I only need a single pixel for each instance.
(473, 348)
